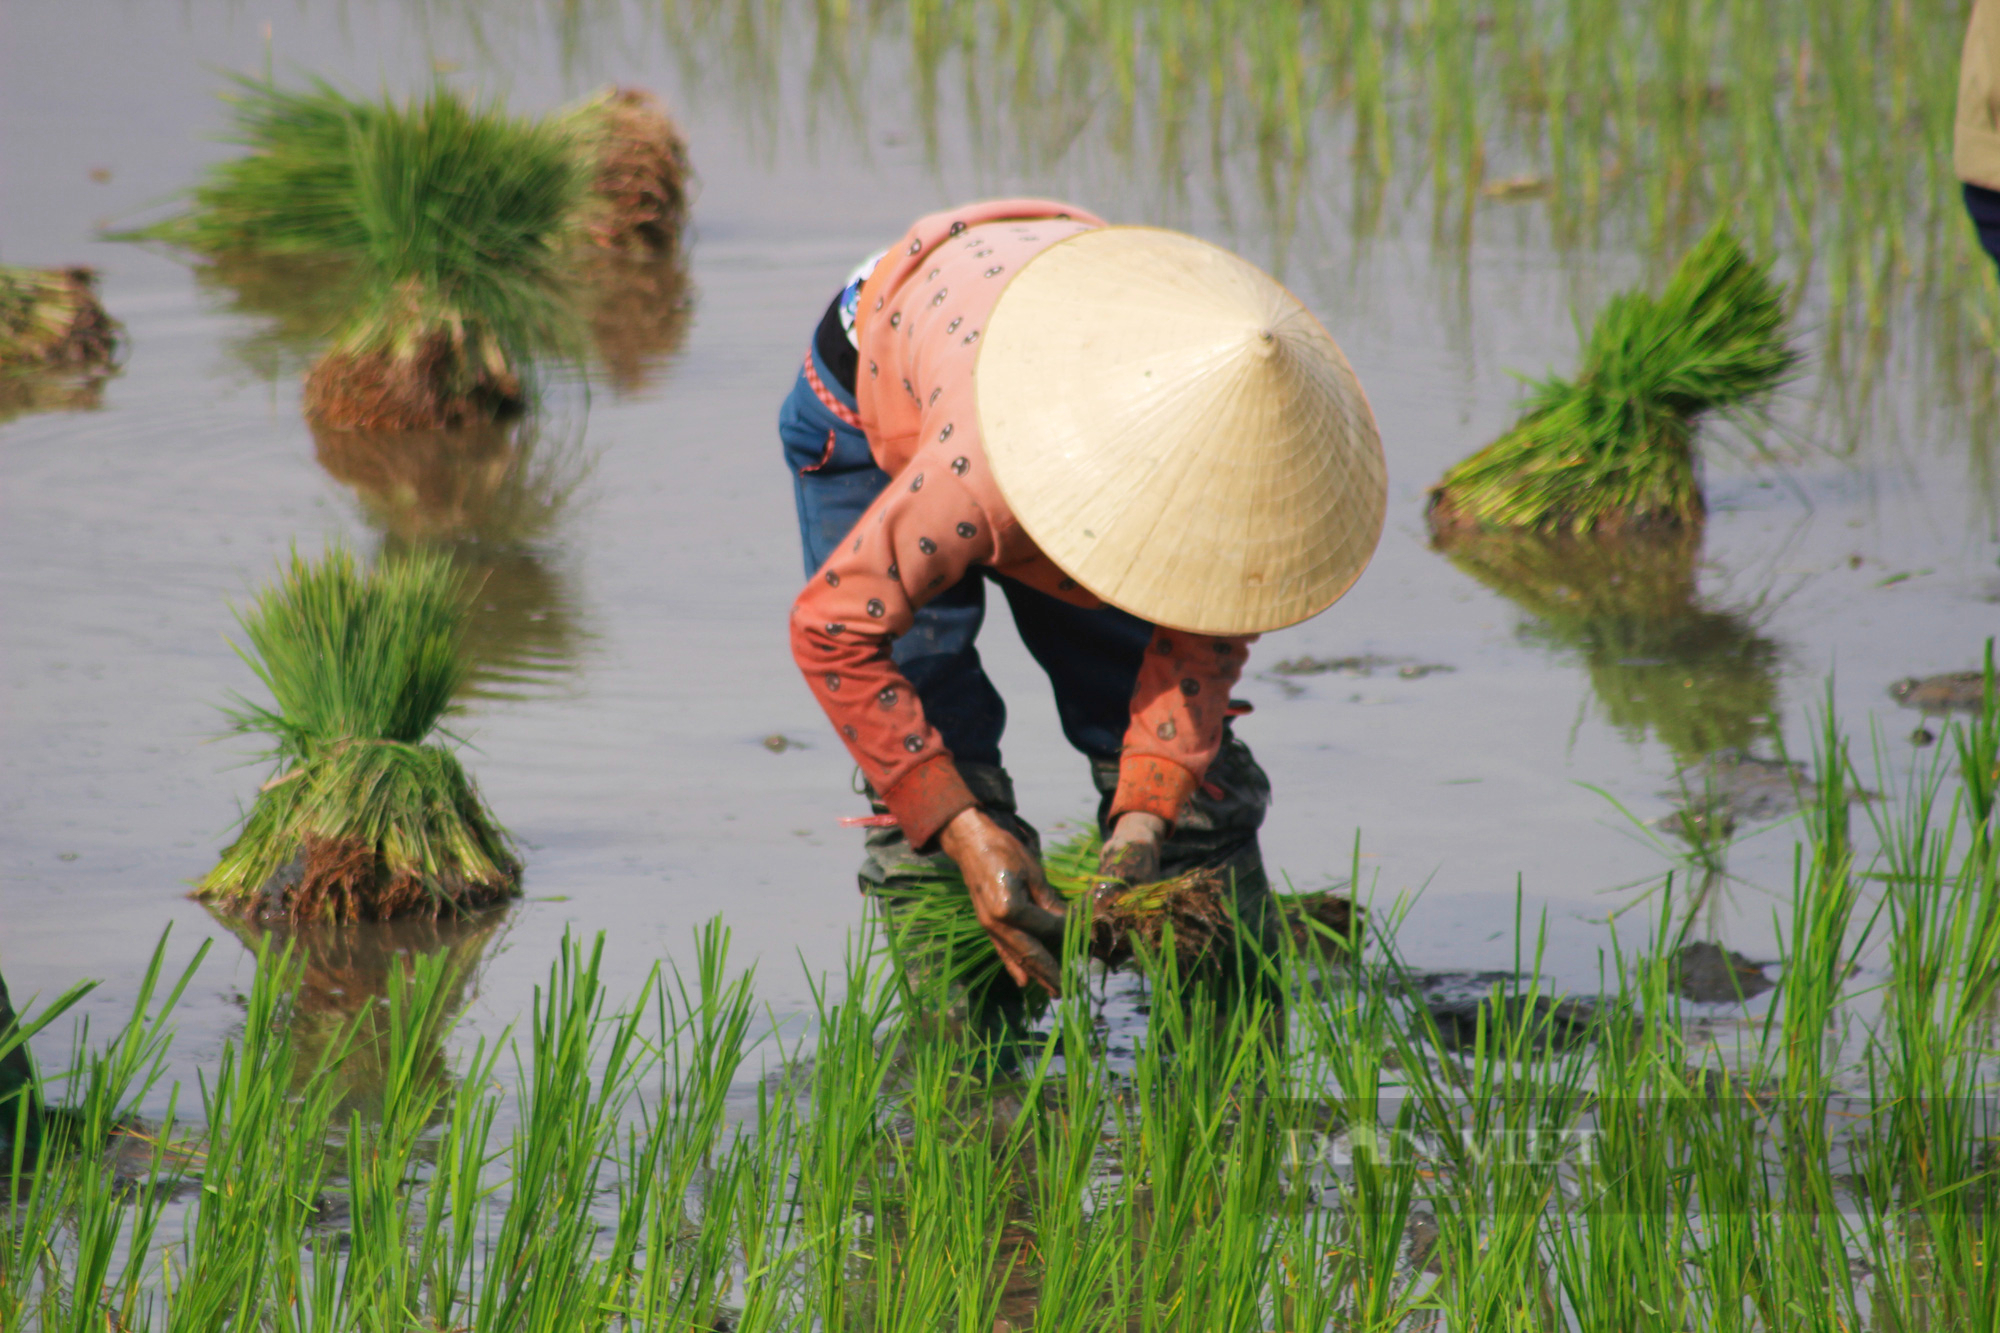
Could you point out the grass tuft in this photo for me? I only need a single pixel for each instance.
(1614, 447)
(365, 820)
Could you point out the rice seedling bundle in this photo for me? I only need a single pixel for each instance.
(936, 929)
(51, 319)
(638, 167)
(452, 233)
(1613, 448)
(365, 819)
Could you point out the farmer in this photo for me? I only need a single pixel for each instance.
(1143, 443)
(1976, 146)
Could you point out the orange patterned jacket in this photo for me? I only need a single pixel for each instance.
(921, 314)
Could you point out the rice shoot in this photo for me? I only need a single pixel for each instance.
(1613, 448)
(366, 817)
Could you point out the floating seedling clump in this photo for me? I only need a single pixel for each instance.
(638, 171)
(57, 344)
(1613, 448)
(454, 237)
(366, 818)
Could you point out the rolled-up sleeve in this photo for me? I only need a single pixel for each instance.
(1179, 706)
(920, 537)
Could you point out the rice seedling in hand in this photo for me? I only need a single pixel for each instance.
(1613, 448)
(365, 819)
(934, 929)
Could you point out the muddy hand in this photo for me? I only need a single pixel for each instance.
(1131, 855)
(1022, 916)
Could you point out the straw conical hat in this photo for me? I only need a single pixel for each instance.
(1178, 433)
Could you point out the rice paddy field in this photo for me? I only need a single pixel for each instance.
(1562, 773)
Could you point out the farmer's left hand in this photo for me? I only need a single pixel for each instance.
(1132, 853)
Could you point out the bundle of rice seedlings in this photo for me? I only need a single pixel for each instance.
(51, 319)
(364, 819)
(639, 172)
(451, 221)
(934, 926)
(1700, 678)
(1613, 448)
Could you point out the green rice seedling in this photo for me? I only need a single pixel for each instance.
(446, 223)
(75, 1240)
(1613, 449)
(1660, 658)
(464, 212)
(1083, 1247)
(855, 1054)
(1504, 1111)
(365, 819)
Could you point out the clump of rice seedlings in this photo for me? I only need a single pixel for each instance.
(1613, 448)
(451, 221)
(1660, 660)
(366, 818)
(51, 319)
(639, 173)
(1189, 916)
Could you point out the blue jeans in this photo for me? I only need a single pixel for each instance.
(1092, 657)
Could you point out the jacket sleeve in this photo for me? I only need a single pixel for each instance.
(920, 537)
(1178, 709)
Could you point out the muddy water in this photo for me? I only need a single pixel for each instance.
(632, 635)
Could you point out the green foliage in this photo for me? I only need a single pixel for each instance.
(350, 654)
(1614, 446)
(361, 665)
(1826, 1164)
(437, 212)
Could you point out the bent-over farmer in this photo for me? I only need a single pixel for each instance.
(1151, 450)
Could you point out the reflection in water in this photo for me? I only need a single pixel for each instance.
(489, 497)
(635, 310)
(345, 977)
(1701, 679)
(638, 310)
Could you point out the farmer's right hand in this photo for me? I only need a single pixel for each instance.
(1021, 914)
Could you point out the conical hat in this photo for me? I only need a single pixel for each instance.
(1178, 433)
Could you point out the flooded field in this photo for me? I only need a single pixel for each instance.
(1481, 722)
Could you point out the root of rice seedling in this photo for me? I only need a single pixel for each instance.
(364, 820)
(639, 172)
(51, 319)
(1613, 449)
